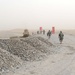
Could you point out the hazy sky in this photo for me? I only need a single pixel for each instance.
(35, 13)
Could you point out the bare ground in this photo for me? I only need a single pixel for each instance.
(60, 62)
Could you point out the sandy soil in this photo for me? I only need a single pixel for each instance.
(62, 62)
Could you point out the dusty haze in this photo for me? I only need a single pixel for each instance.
(35, 13)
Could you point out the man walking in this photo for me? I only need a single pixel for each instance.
(49, 34)
(61, 36)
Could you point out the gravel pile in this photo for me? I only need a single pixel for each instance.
(28, 49)
(21, 49)
(13, 52)
(39, 45)
(45, 41)
(8, 61)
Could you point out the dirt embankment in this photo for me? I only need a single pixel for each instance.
(25, 49)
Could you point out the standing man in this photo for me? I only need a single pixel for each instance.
(61, 36)
(49, 34)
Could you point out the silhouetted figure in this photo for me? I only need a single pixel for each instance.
(43, 31)
(37, 32)
(61, 36)
(49, 34)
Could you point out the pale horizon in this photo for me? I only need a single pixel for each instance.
(32, 14)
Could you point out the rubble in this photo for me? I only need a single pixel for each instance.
(29, 48)
(19, 48)
(8, 61)
(38, 44)
(26, 49)
(45, 41)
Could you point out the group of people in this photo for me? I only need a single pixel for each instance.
(60, 35)
(41, 32)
